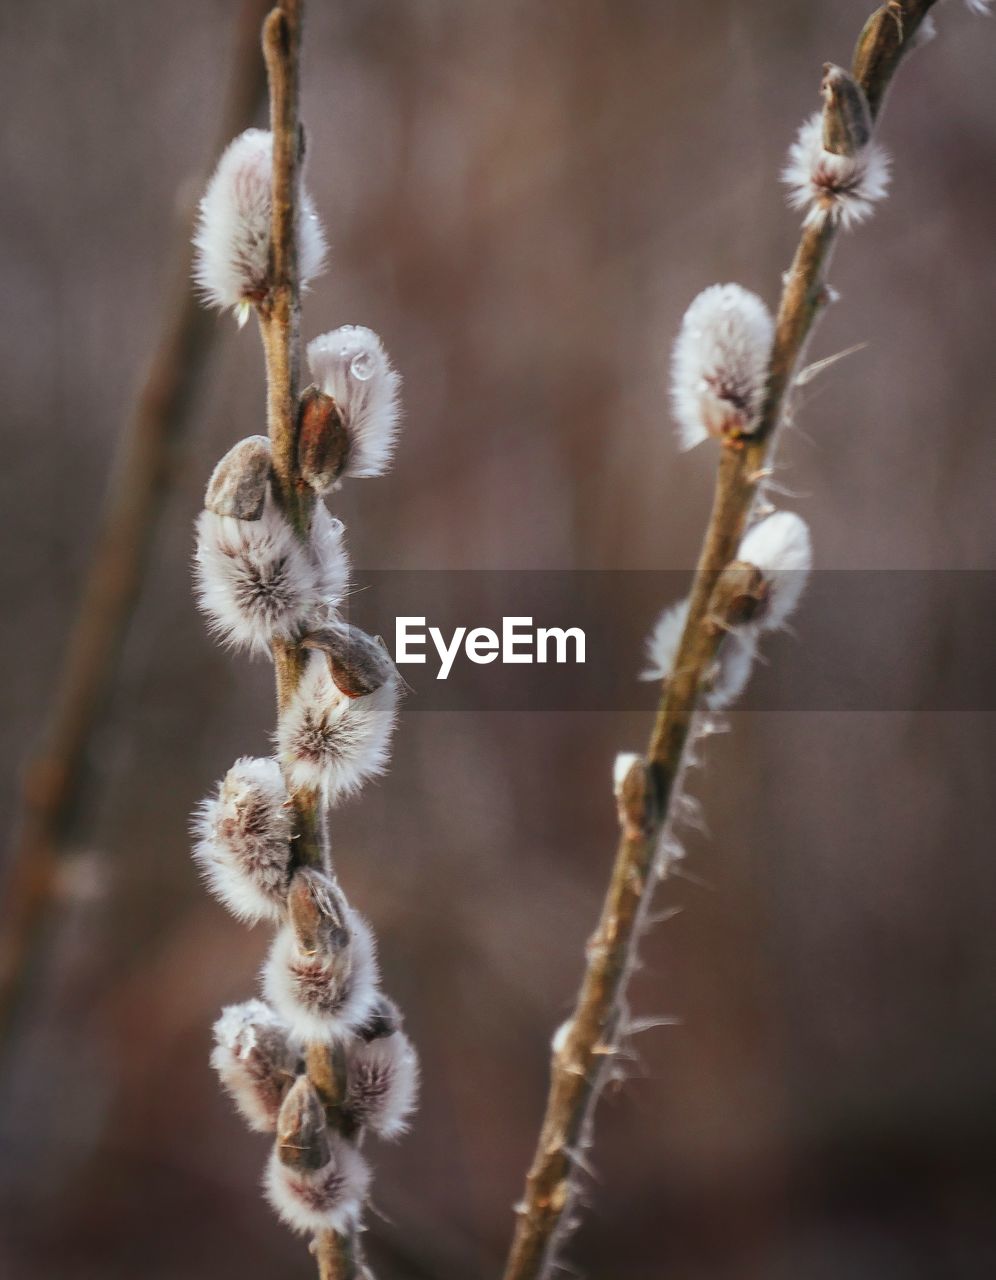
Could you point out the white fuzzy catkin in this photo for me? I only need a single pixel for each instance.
(719, 365)
(978, 6)
(257, 582)
(663, 641)
(243, 845)
(351, 365)
(328, 550)
(927, 30)
(382, 1083)
(840, 188)
(780, 546)
(255, 1060)
(323, 997)
(331, 742)
(325, 1199)
(232, 239)
(732, 670)
(621, 766)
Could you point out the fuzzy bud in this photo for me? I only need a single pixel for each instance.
(327, 548)
(719, 365)
(358, 664)
(327, 1198)
(847, 125)
(317, 911)
(663, 642)
(381, 1083)
(831, 186)
(351, 366)
(636, 795)
(384, 1019)
(322, 440)
(561, 1036)
(239, 483)
(739, 596)
(925, 32)
(780, 547)
(314, 1180)
(636, 786)
(232, 239)
(302, 1133)
(330, 741)
(321, 973)
(623, 763)
(243, 845)
(255, 1061)
(257, 582)
(731, 670)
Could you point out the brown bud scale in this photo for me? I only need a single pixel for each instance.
(739, 597)
(302, 1134)
(322, 440)
(847, 124)
(317, 913)
(358, 663)
(237, 487)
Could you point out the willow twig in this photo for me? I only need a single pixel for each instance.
(142, 475)
(584, 1048)
(337, 1255)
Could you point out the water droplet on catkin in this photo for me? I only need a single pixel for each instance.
(363, 366)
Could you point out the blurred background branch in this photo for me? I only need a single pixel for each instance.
(142, 470)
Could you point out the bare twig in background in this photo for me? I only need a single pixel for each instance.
(584, 1048)
(143, 470)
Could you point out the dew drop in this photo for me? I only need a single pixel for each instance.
(363, 366)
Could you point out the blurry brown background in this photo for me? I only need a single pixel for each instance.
(522, 198)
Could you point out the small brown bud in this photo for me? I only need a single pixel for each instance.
(238, 483)
(847, 124)
(302, 1134)
(322, 440)
(739, 596)
(358, 663)
(637, 796)
(317, 911)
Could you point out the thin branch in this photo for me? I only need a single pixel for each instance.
(337, 1255)
(591, 1036)
(281, 314)
(142, 475)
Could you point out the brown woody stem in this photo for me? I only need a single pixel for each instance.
(591, 1035)
(337, 1255)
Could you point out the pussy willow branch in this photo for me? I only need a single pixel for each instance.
(142, 474)
(337, 1255)
(590, 1038)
